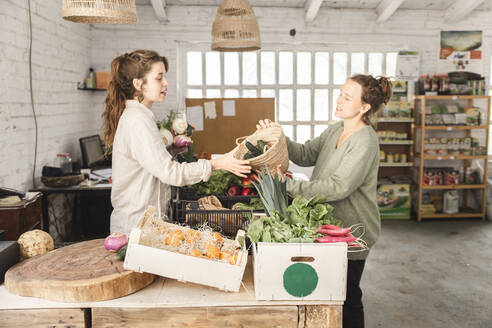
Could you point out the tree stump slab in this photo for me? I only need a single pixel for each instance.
(82, 272)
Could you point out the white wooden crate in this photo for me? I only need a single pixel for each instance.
(182, 267)
(302, 271)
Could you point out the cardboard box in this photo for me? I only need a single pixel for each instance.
(102, 80)
(394, 201)
(182, 267)
(300, 271)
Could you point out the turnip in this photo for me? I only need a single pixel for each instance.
(115, 241)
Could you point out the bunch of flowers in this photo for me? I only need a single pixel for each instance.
(176, 132)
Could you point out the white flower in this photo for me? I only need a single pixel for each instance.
(167, 136)
(179, 126)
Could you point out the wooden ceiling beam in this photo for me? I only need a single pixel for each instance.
(386, 9)
(160, 10)
(312, 9)
(460, 9)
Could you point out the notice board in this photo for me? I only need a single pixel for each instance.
(219, 134)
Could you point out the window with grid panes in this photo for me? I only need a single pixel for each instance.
(305, 84)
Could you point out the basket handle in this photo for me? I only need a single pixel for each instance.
(240, 138)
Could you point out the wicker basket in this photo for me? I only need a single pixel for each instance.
(235, 27)
(100, 11)
(63, 181)
(276, 153)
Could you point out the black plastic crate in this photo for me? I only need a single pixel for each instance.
(186, 193)
(228, 222)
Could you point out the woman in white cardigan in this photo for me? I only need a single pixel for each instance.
(143, 169)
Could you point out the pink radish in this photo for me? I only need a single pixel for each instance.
(328, 226)
(334, 232)
(337, 239)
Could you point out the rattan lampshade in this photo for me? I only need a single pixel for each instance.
(235, 27)
(100, 11)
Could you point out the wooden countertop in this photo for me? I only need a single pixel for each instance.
(162, 293)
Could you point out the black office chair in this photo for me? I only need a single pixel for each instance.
(92, 149)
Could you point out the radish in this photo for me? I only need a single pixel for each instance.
(334, 232)
(328, 226)
(337, 239)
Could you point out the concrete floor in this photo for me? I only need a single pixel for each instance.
(430, 274)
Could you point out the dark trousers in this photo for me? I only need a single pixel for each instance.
(353, 310)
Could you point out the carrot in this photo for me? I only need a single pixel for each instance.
(337, 239)
(334, 232)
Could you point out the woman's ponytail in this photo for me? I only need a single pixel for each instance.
(124, 69)
(114, 104)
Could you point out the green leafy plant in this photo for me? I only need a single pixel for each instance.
(272, 191)
(217, 185)
(298, 224)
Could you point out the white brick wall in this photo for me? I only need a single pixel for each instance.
(63, 51)
(60, 58)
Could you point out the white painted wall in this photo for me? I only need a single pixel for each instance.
(63, 51)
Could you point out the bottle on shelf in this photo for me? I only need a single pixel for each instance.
(427, 83)
(451, 202)
(92, 79)
(435, 83)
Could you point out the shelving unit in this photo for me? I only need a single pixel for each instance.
(395, 130)
(422, 132)
(401, 125)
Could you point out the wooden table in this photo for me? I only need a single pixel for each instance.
(170, 303)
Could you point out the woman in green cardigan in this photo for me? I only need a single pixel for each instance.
(346, 159)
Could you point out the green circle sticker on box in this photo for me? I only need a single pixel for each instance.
(300, 279)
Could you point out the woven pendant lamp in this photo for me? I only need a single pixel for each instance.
(100, 11)
(235, 27)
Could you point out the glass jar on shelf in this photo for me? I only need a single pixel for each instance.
(64, 161)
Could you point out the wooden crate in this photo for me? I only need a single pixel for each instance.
(183, 267)
(300, 271)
